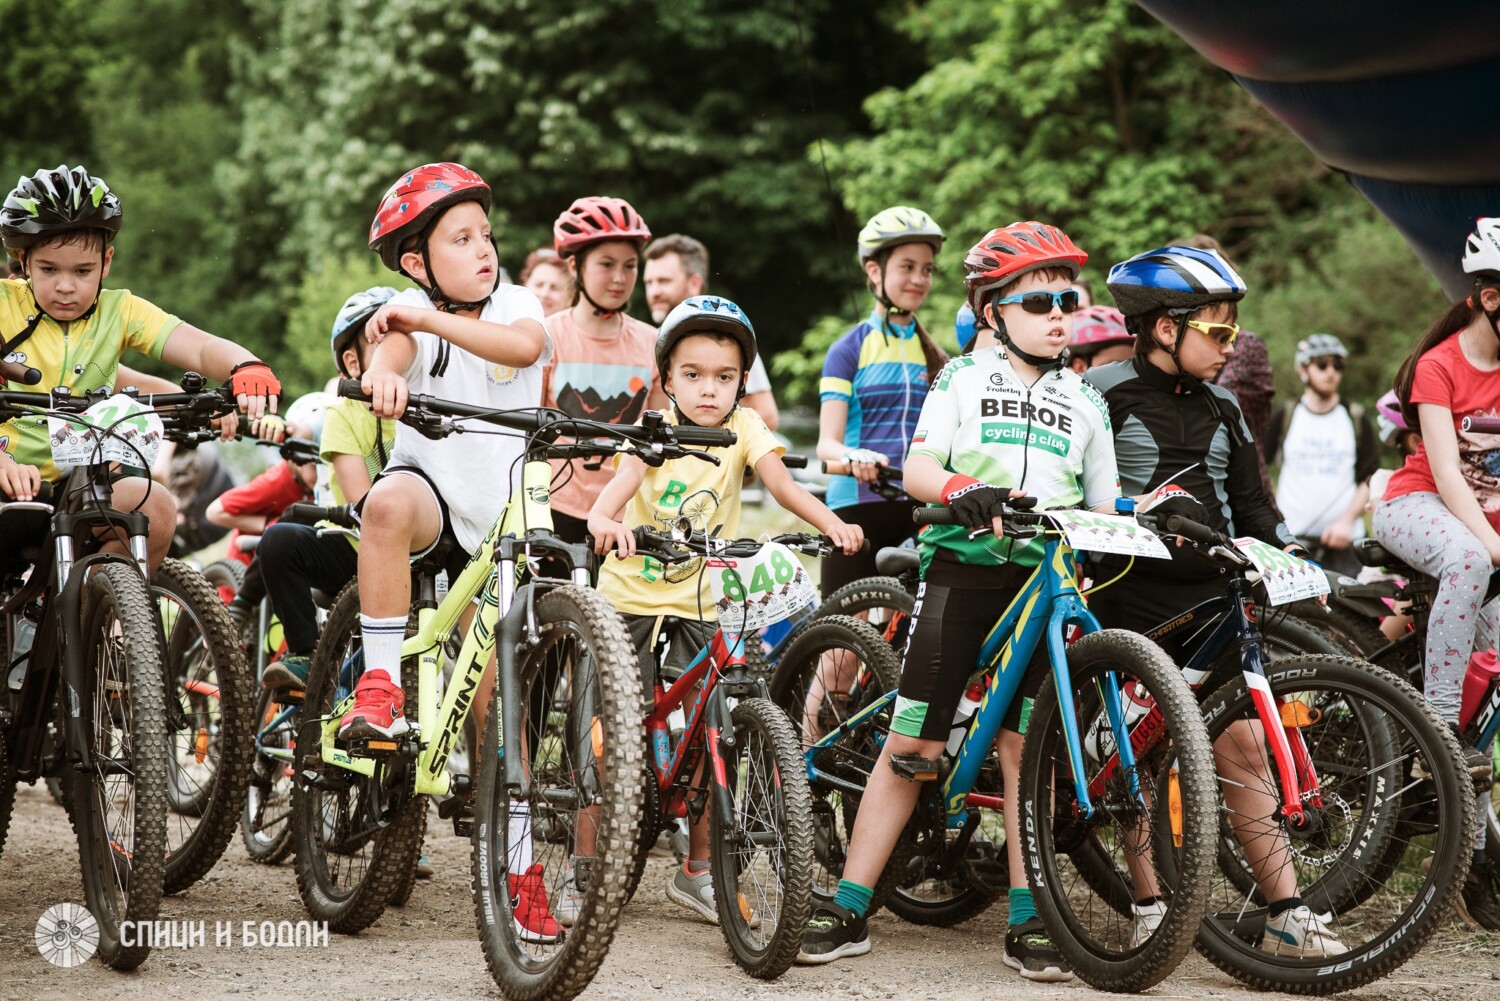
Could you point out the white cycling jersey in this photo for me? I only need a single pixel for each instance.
(1051, 439)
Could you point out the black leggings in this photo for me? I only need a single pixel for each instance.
(886, 523)
(295, 559)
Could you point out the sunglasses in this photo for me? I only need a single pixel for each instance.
(1043, 303)
(1323, 364)
(1222, 333)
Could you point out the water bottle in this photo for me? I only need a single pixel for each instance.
(967, 706)
(1481, 698)
(1099, 741)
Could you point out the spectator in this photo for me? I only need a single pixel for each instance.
(1099, 337)
(547, 276)
(1085, 291)
(676, 268)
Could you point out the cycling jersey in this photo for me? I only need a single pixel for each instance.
(81, 354)
(882, 376)
(1050, 439)
(1194, 437)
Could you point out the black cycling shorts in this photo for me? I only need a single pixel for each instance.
(942, 654)
(886, 523)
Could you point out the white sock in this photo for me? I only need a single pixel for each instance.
(520, 857)
(383, 639)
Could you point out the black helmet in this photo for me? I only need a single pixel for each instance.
(705, 314)
(52, 202)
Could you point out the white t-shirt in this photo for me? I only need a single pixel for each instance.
(759, 381)
(1317, 471)
(474, 473)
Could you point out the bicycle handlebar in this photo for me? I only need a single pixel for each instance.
(670, 549)
(1482, 425)
(14, 371)
(1021, 510)
(655, 430)
(310, 514)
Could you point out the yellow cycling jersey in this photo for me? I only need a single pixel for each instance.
(81, 355)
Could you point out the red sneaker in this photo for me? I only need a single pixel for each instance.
(529, 908)
(376, 712)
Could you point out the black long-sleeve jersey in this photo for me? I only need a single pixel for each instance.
(1196, 438)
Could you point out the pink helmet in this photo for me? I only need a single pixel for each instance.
(1098, 327)
(1389, 407)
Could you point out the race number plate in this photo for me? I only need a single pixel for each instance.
(118, 429)
(752, 592)
(1287, 578)
(1092, 532)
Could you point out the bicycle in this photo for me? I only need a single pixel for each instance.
(1160, 782)
(737, 757)
(97, 652)
(565, 694)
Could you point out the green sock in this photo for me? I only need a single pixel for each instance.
(853, 897)
(1022, 908)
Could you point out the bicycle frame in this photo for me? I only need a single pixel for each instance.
(1046, 606)
(491, 577)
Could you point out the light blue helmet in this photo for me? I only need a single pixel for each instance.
(357, 309)
(963, 325)
(1184, 278)
(705, 314)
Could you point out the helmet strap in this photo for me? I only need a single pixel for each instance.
(1042, 363)
(435, 293)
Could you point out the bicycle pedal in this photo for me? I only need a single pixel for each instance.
(915, 768)
(378, 747)
(463, 826)
(289, 696)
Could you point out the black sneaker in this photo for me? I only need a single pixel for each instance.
(1478, 902)
(832, 933)
(1030, 952)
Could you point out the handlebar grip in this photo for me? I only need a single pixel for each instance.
(704, 437)
(1482, 425)
(16, 372)
(934, 516)
(794, 461)
(351, 389)
(311, 514)
(1190, 529)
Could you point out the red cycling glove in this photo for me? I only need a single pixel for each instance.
(253, 378)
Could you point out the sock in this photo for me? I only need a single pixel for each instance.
(853, 897)
(1279, 908)
(693, 867)
(1145, 902)
(519, 857)
(382, 644)
(1022, 907)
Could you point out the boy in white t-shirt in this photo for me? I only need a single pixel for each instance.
(460, 336)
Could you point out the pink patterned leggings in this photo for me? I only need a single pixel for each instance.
(1421, 530)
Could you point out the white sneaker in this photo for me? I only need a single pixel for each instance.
(574, 887)
(1144, 921)
(1300, 934)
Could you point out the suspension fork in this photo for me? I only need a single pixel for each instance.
(718, 735)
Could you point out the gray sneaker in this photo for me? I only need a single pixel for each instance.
(695, 892)
(575, 887)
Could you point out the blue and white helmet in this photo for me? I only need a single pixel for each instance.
(308, 411)
(705, 314)
(357, 309)
(1184, 278)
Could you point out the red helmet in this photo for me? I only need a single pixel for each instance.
(414, 203)
(595, 219)
(1020, 248)
(1098, 327)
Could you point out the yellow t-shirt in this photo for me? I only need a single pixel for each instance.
(349, 428)
(81, 355)
(709, 496)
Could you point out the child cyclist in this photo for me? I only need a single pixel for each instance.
(356, 444)
(1018, 283)
(704, 351)
(603, 365)
(1442, 507)
(1184, 448)
(59, 225)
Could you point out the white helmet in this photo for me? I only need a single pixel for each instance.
(307, 411)
(1482, 250)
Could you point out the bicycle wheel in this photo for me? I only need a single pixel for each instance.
(120, 797)
(833, 668)
(350, 831)
(884, 602)
(266, 821)
(1369, 795)
(408, 869)
(212, 749)
(1174, 770)
(761, 855)
(584, 753)
(7, 787)
(225, 576)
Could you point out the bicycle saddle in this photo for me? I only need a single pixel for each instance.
(893, 561)
(1371, 553)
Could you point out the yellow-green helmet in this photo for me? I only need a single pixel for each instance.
(897, 225)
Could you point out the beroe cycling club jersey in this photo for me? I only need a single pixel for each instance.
(1051, 439)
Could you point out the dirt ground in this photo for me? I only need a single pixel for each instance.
(429, 950)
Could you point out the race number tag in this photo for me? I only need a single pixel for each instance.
(1287, 578)
(118, 429)
(1108, 533)
(752, 592)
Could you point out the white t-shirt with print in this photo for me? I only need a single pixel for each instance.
(474, 473)
(1317, 483)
